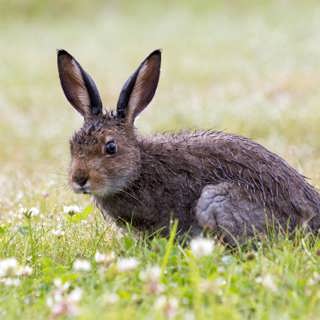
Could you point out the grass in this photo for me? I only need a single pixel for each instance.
(245, 68)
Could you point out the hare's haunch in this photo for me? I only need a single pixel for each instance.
(206, 180)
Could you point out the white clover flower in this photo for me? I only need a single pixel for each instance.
(81, 265)
(268, 282)
(34, 212)
(201, 247)
(10, 282)
(99, 257)
(152, 273)
(151, 277)
(71, 210)
(8, 267)
(58, 233)
(169, 306)
(75, 295)
(29, 212)
(127, 264)
(63, 304)
(106, 259)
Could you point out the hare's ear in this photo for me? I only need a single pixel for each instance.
(140, 88)
(78, 86)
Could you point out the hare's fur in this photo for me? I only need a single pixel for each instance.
(206, 180)
(252, 185)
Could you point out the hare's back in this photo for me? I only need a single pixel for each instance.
(233, 157)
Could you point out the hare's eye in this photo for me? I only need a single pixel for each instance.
(110, 147)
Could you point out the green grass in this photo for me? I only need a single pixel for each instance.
(251, 69)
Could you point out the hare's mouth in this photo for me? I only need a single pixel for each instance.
(81, 189)
(86, 189)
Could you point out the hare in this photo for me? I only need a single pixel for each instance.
(208, 180)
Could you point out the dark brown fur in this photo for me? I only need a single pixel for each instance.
(214, 180)
(175, 168)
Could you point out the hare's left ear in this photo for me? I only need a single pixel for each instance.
(140, 88)
(78, 86)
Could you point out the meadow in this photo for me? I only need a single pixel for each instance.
(243, 67)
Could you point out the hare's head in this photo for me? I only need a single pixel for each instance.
(105, 156)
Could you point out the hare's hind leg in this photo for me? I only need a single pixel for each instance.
(226, 209)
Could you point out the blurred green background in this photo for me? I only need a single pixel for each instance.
(251, 68)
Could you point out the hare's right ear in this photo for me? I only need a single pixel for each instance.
(78, 86)
(140, 88)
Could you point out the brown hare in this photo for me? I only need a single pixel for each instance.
(211, 180)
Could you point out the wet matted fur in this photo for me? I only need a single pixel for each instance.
(226, 183)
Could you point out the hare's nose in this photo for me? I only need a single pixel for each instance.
(80, 180)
